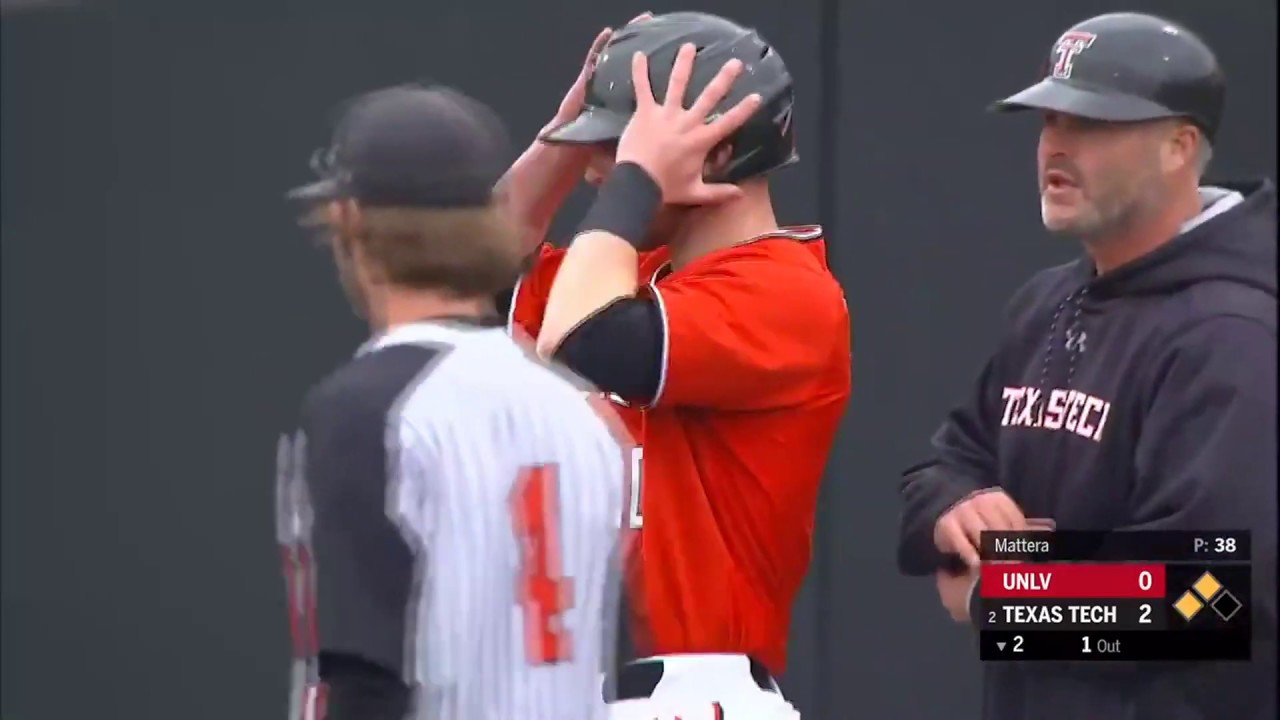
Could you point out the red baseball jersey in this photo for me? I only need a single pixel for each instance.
(730, 454)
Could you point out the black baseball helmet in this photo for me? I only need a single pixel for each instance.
(764, 143)
(1128, 67)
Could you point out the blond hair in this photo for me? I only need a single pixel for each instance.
(466, 252)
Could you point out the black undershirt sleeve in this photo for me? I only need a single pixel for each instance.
(619, 349)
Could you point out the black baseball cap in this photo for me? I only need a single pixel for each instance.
(411, 146)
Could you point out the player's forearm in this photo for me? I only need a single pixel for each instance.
(598, 269)
(537, 185)
(602, 263)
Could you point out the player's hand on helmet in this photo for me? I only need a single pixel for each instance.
(540, 180)
(959, 530)
(575, 100)
(673, 143)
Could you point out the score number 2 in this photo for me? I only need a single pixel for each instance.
(542, 590)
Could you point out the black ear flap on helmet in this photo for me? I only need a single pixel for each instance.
(764, 143)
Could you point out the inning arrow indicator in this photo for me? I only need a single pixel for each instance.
(1000, 645)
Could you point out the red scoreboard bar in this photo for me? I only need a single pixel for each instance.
(1064, 580)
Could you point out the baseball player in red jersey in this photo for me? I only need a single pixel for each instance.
(722, 337)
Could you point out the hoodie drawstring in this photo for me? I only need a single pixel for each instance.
(1074, 344)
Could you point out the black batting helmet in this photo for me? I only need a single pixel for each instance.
(1128, 67)
(764, 143)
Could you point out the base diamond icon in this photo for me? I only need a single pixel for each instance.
(1226, 605)
(1188, 605)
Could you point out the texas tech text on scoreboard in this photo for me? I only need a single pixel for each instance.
(1108, 596)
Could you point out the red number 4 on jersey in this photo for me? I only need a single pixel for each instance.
(543, 592)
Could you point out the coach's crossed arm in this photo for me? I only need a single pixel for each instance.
(963, 463)
(1206, 456)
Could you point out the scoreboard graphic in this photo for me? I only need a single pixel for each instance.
(1115, 596)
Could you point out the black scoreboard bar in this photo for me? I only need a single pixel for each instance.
(1115, 645)
(1116, 546)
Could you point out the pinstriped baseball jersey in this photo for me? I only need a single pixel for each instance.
(456, 505)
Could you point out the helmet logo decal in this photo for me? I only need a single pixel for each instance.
(1068, 47)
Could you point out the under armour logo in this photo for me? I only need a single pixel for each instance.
(1075, 340)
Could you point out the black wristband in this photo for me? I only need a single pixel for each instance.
(625, 205)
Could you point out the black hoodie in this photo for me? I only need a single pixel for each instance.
(1142, 399)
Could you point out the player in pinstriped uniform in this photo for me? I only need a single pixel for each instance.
(450, 506)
